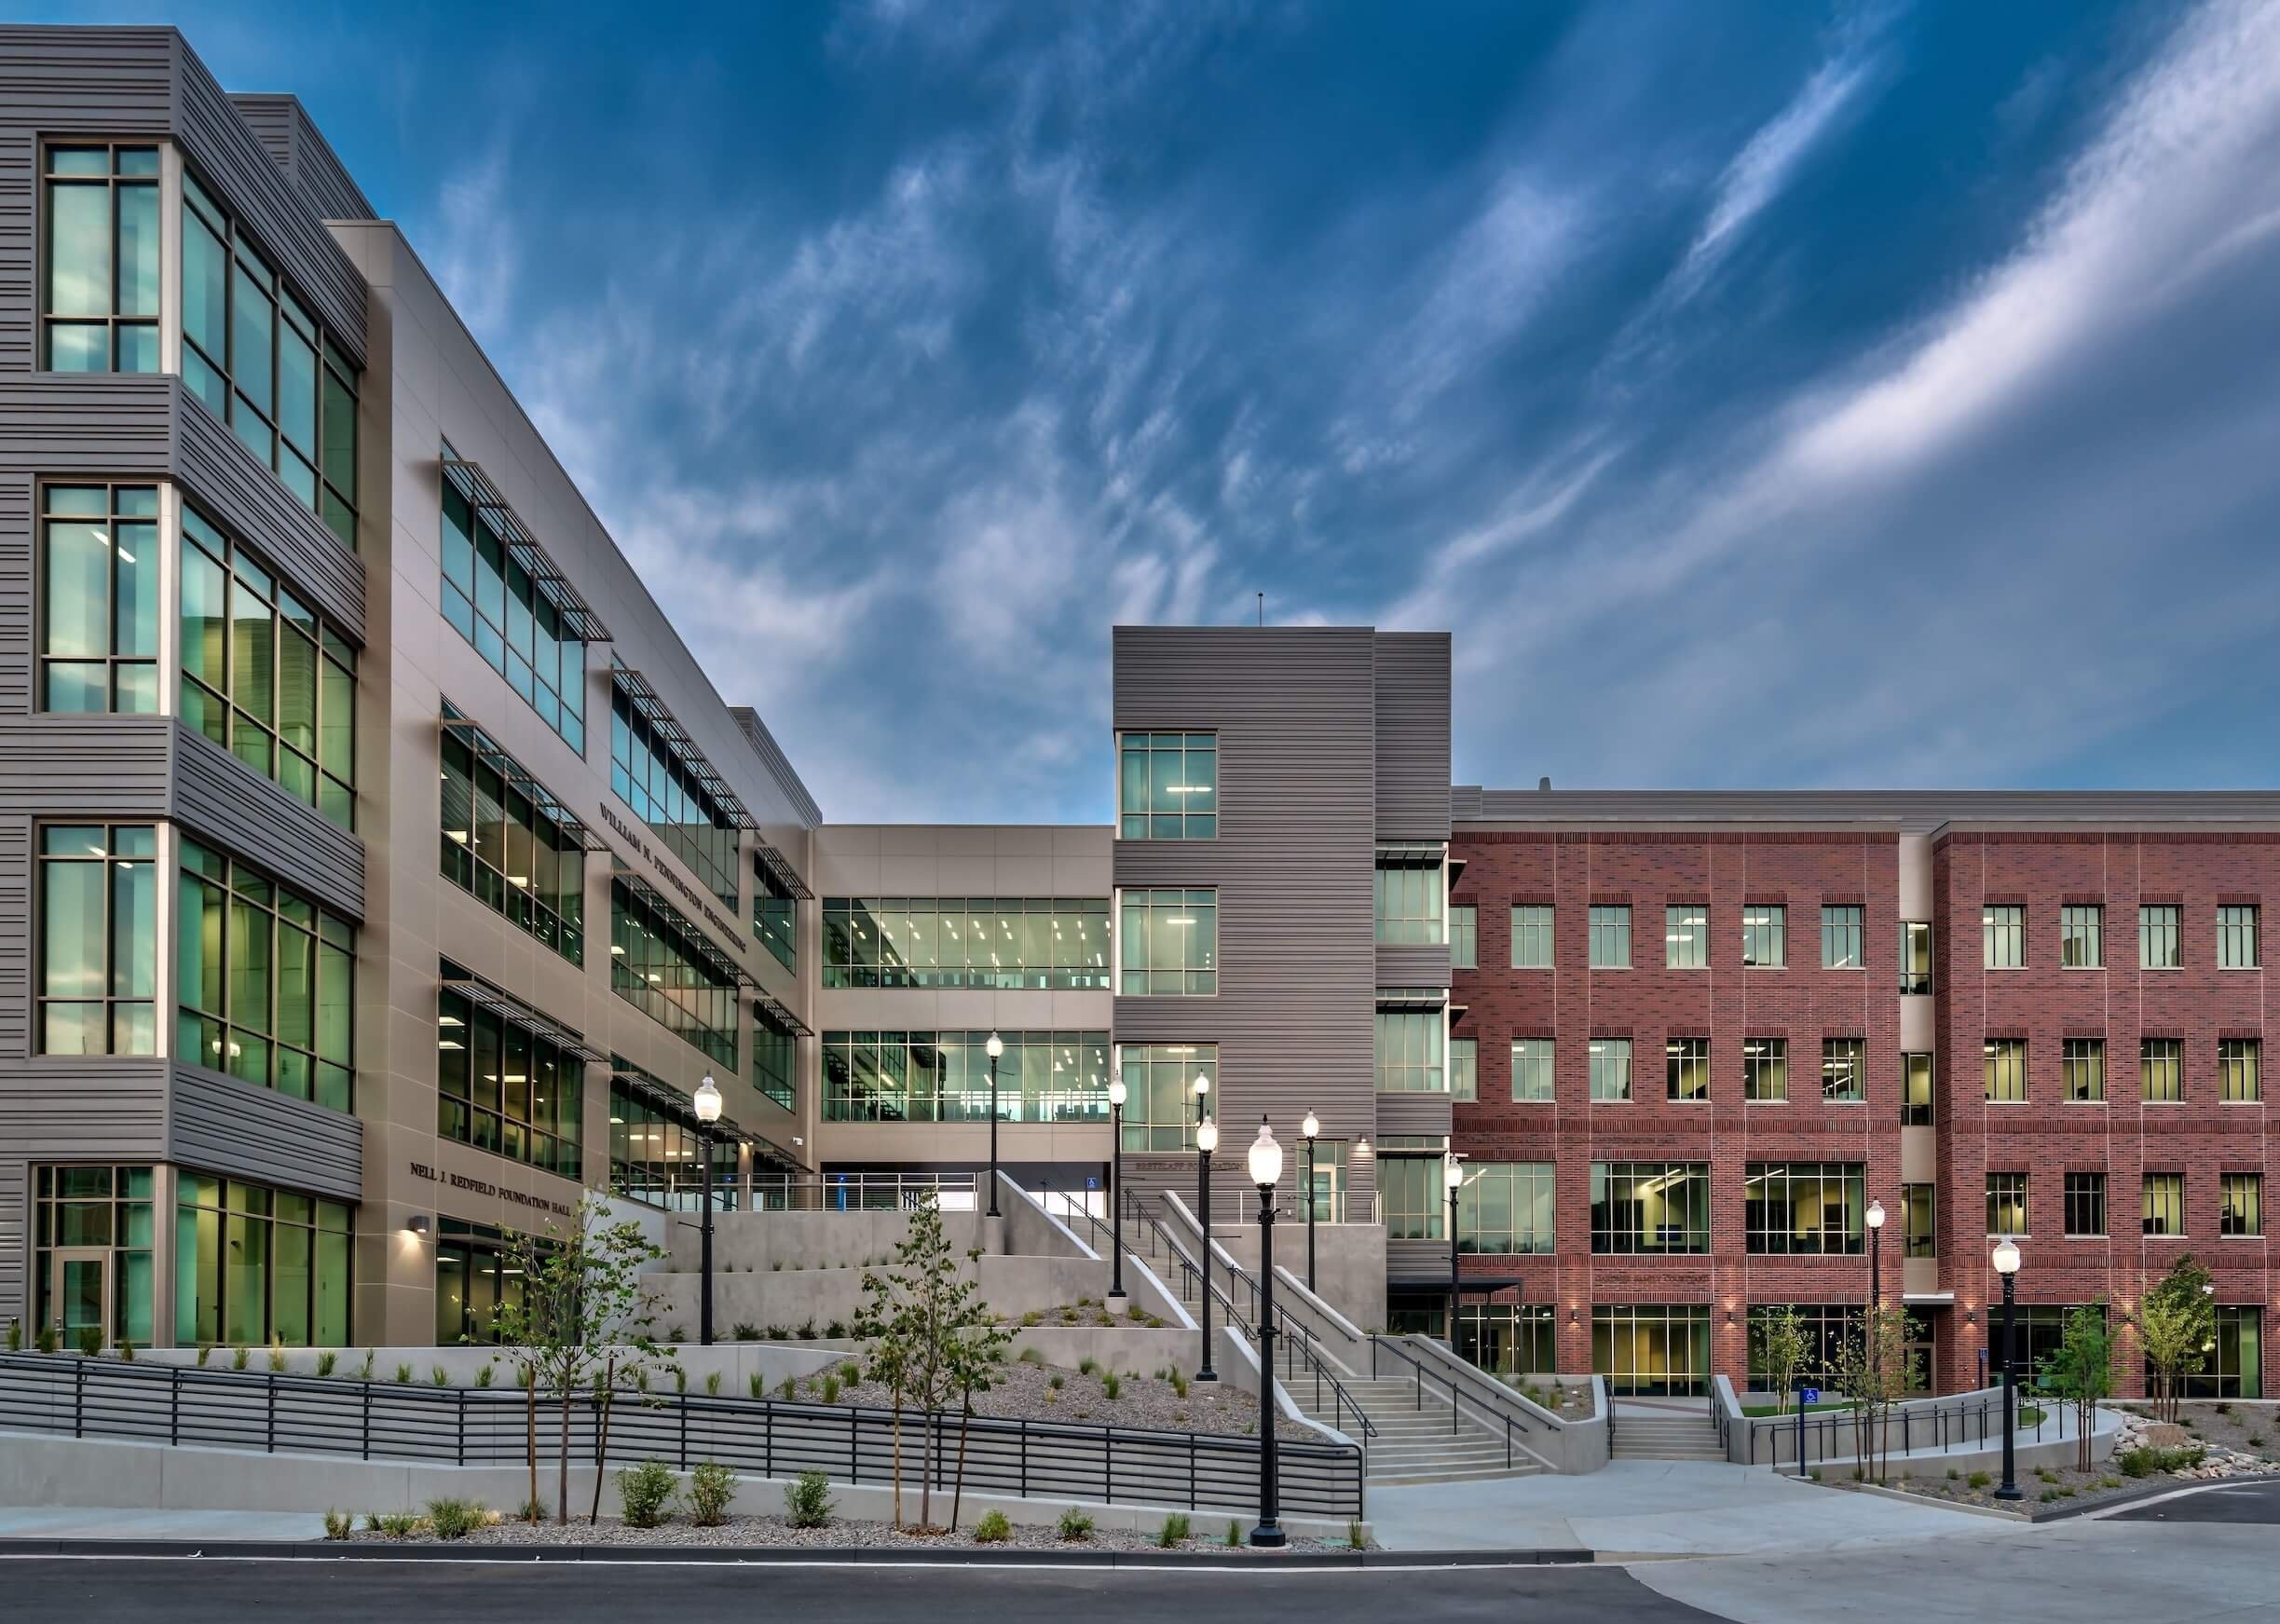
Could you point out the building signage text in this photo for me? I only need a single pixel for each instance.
(461, 1181)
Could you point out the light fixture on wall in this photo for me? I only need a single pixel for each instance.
(416, 1223)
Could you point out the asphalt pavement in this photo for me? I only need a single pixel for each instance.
(2249, 1503)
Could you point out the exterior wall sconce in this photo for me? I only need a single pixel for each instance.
(1571, 1315)
(416, 1223)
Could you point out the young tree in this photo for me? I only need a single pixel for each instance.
(974, 1348)
(2082, 1371)
(1875, 1372)
(1779, 1335)
(2177, 1321)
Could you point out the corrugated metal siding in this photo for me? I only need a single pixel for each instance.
(1413, 1113)
(49, 1112)
(1413, 965)
(291, 137)
(113, 767)
(1294, 708)
(221, 798)
(220, 1124)
(1412, 735)
(1423, 1261)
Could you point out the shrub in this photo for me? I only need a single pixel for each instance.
(1155, 1323)
(453, 1518)
(372, 1523)
(834, 1330)
(806, 1331)
(482, 1376)
(710, 1487)
(1088, 1366)
(2143, 1460)
(1136, 1314)
(1075, 1524)
(2110, 1482)
(277, 1356)
(1355, 1537)
(1980, 1480)
(1055, 1382)
(850, 1374)
(1953, 1475)
(789, 1388)
(400, 1524)
(126, 1349)
(1174, 1530)
(712, 1384)
(745, 1332)
(15, 1336)
(831, 1386)
(363, 1371)
(438, 1376)
(1112, 1383)
(2049, 1495)
(677, 1334)
(807, 1500)
(339, 1525)
(205, 1352)
(1034, 1317)
(1178, 1383)
(993, 1529)
(680, 1379)
(403, 1375)
(238, 1355)
(645, 1492)
(1234, 1537)
(531, 1511)
(779, 1333)
(325, 1361)
(1030, 1356)
(91, 1339)
(759, 1388)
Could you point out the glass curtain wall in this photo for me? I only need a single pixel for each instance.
(944, 1076)
(98, 944)
(504, 846)
(507, 1090)
(1409, 1050)
(1006, 942)
(650, 774)
(1159, 1093)
(775, 1051)
(1828, 1328)
(1170, 943)
(775, 916)
(654, 1150)
(1506, 1207)
(254, 1266)
(475, 1276)
(99, 268)
(492, 602)
(1167, 786)
(1650, 1206)
(1652, 1349)
(1515, 1339)
(1805, 1208)
(659, 964)
(99, 598)
(101, 1209)
(1411, 893)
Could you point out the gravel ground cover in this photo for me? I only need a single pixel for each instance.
(1037, 1392)
(1209, 1535)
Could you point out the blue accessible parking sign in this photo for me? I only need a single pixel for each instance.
(1810, 1396)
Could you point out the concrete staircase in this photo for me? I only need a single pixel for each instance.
(1676, 1431)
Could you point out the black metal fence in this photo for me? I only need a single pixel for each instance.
(175, 1404)
(1973, 1422)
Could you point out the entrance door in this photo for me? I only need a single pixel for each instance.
(81, 1293)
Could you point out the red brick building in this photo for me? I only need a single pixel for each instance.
(2035, 1068)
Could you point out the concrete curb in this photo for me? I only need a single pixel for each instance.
(330, 1550)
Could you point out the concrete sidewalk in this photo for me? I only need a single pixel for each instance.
(109, 1522)
(1659, 1509)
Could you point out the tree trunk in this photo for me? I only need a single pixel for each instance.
(927, 1470)
(601, 1445)
(562, 1479)
(530, 1436)
(897, 1393)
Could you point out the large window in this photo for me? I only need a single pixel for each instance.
(2165, 1204)
(2237, 1067)
(254, 1266)
(2234, 1368)
(1841, 936)
(1765, 1069)
(1685, 936)
(2158, 937)
(1687, 1068)
(265, 979)
(2003, 936)
(2007, 1204)
(1409, 896)
(1610, 1070)
(476, 1273)
(1532, 936)
(1409, 1052)
(1841, 1078)
(1463, 1069)
(656, 1153)
(663, 966)
(1413, 1195)
(494, 603)
(1803, 1208)
(666, 789)
(1504, 1207)
(1167, 786)
(263, 675)
(1004, 943)
(2236, 937)
(2006, 1071)
(1169, 943)
(507, 841)
(1650, 1206)
(2082, 936)
(1919, 1220)
(2086, 1204)
(1915, 957)
(99, 598)
(944, 1076)
(259, 360)
(505, 1089)
(2161, 1071)
(1611, 936)
(1829, 1328)
(99, 275)
(775, 915)
(101, 1207)
(1532, 1068)
(2242, 1208)
(2084, 1060)
(98, 975)
(775, 1056)
(1643, 1349)
(1160, 1092)
(1513, 1338)
(1765, 936)
(1464, 938)
(1918, 1094)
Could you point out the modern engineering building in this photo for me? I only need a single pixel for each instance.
(379, 870)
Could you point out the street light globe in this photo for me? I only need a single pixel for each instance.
(1310, 1128)
(1207, 1136)
(1265, 1158)
(708, 1102)
(1876, 1215)
(1452, 1173)
(1116, 1090)
(1202, 1084)
(995, 1046)
(2006, 1259)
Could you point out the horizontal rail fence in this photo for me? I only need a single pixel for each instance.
(862, 1192)
(1298, 1359)
(300, 1414)
(1835, 1434)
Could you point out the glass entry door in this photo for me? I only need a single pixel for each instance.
(81, 1293)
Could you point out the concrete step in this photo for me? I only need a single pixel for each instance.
(1399, 1479)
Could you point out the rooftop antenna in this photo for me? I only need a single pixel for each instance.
(1262, 608)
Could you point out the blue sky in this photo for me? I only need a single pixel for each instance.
(1763, 394)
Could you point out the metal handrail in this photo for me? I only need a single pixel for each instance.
(1296, 1338)
(861, 1191)
(1946, 1426)
(275, 1412)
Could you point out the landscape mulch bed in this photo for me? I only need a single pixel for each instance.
(777, 1533)
(1144, 1401)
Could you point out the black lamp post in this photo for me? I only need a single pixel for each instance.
(2006, 1261)
(1875, 1283)
(1206, 1140)
(1453, 1175)
(708, 1112)
(996, 1046)
(1266, 1172)
(1307, 1131)
(1117, 1183)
